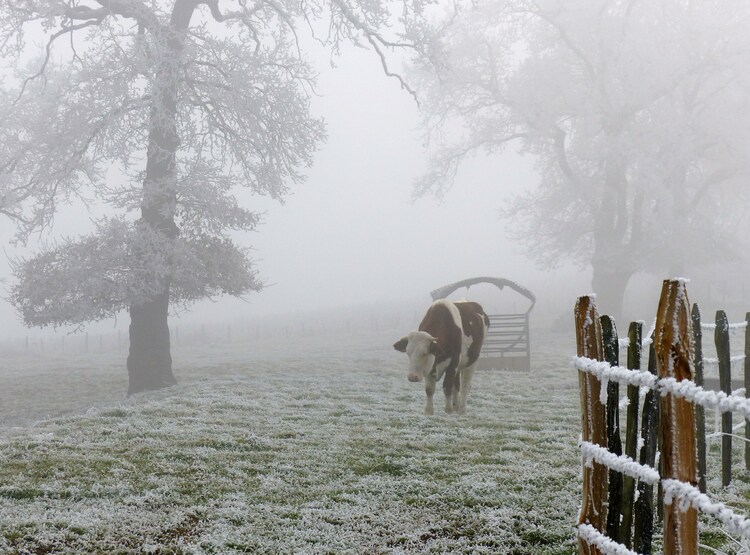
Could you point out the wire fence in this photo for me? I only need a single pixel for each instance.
(605, 525)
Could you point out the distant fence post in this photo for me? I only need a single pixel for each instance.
(700, 412)
(593, 421)
(610, 343)
(635, 334)
(673, 345)
(721, 337)
(643, 525)
(747, 387)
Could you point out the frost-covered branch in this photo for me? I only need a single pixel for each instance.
(614, 133)
(164, 110)
(376, 40)
(97, 276)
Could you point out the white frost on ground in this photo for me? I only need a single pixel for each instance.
(307, 449)
(316, 445)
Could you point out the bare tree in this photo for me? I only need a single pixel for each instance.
(163, 109)
(636, 114)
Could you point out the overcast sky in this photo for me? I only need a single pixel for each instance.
(351, 234)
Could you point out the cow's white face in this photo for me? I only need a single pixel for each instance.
(421, 348)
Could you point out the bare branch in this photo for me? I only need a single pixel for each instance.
(131, 9)
(388, 72)
(48, 52)
(376, 40)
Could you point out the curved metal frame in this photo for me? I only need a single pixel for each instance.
(500, 283)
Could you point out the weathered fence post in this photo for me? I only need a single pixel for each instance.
(593, 421)
(747, 388)
(643, 525)
(721, 337)
(610, 343)
(673, 345)
(635, 333)
(700, 412)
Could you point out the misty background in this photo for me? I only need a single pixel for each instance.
(352, 241)
(351, 238)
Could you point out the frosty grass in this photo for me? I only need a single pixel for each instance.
(311, 445)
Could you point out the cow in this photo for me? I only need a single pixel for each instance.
(447, 345)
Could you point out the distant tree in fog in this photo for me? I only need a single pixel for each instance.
(161, 109)
(637, 115)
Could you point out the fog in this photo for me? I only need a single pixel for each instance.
(352, 237)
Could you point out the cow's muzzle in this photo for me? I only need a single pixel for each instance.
(414, 378)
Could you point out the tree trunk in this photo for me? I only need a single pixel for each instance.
(612, 251)
(609, 284)
(150, 361)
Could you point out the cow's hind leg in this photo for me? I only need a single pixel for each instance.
(455, 396)
(429, 388)
(448, 389)
(466, 375)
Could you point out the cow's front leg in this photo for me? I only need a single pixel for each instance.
(467, 374)
(429, 388)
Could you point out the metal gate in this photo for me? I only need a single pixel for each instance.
(508, 343)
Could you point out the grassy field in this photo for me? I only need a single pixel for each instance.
(316, 445)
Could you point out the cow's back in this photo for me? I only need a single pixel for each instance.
(443, 322)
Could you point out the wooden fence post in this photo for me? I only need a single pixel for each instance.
(593, 421)
(673, 345)
(747, 388)
(643, 525)
(610, 343)
(700, 412)
(635, 334)
(721, 337)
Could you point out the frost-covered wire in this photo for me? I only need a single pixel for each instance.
(709, 399)
(623, 464)
(736, 325)
(605, 372)
(687, 495)
(605, 545)
(686, 389)
(674, 490)
(712, 360)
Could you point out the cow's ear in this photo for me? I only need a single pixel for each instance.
(435, 348)
(400, 345)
